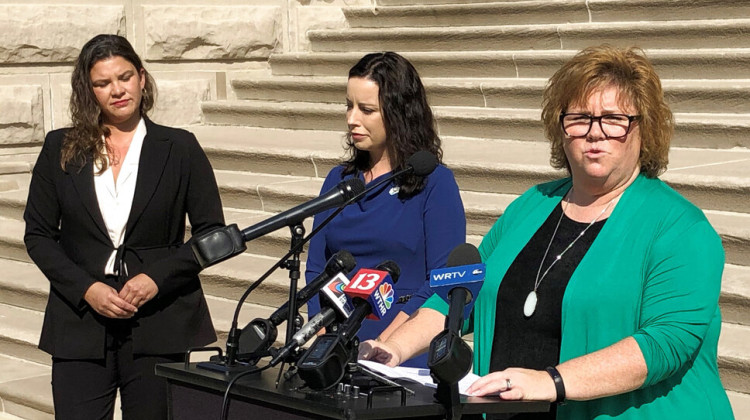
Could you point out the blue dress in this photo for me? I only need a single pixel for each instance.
(417, 233)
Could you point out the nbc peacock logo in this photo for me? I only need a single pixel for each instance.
(386, 291)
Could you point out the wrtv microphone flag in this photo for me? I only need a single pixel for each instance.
(464, 270)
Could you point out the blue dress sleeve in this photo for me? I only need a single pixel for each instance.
(444, 228)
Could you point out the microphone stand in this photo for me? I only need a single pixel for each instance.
(291, 262)
(456, 355)
(293, 265)
(229, 363)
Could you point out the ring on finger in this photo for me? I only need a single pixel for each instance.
(508, 384)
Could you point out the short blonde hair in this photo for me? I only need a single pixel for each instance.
(639, 86)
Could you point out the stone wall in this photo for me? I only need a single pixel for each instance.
(192, 48)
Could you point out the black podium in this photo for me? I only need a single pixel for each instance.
(196, 393)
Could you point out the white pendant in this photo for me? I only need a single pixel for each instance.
(530, 305)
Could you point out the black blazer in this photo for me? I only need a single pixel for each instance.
(67, 238)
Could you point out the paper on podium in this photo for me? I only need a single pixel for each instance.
(421, 376)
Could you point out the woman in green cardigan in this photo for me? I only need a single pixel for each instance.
(602, 289)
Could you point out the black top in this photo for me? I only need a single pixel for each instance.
(534, 342)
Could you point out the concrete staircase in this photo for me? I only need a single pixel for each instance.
(484, 65)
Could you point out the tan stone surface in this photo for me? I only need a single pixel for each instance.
(22, 116)
(179, 101)
(228, 56)
(174, 32)
(49, 33)
(308, 18)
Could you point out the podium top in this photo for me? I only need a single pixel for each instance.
(260, 388)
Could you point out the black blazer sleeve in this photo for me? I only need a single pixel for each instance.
(204, 209)
(43, 217)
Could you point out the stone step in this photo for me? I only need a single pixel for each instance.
(683, 95)
(539, 12)
(13, 203)
(11, 240)
(25, 384)
(708, 33)
(249, 198)
(25, 389)
(734, 358)
(713, 179)
(740, 404)
(231, 278)
(670, 63)
(735, 294)
(275, 244)
(19, 333)
(22, 158)
(20, 327)
(264, 192)
(692, 129)
(482, 208)
(426, 2)
(26, 287)
(23, 285)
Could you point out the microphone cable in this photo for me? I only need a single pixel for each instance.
(421, 162)
(225, 401)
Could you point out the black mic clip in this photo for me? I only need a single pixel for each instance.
(218, 245)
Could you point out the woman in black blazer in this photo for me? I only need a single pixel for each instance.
(107, 228)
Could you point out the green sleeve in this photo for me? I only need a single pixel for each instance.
(680, 297)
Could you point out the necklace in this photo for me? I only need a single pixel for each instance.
(529, 305)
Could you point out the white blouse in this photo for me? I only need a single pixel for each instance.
(116, 199)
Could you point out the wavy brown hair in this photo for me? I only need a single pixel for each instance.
(84, 140)
(639, 86)
(407, 117)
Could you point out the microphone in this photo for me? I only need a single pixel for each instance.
(332, 294)
(322, 365)
(259, 334)
(459, 283)
(225, 242)
(339, 311)
(371, 292)
(335, 197)
(421, 163)
(342, 261)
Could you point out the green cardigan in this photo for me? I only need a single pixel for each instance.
(653, 273)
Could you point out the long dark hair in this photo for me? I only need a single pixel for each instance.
(84, 140)
(407, 117)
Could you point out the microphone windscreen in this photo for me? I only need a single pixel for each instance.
(352, 187)
(342, 260)
(423, 163)
(392, 268)
(463, 254)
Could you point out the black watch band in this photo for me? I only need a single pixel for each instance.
(559, 385)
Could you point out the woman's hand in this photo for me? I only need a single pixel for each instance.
(386, 353)
(139, 290)
(516, 384)
(106, 302)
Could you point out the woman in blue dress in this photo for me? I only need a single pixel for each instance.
(414, 221)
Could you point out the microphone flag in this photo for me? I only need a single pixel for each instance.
(374, 286)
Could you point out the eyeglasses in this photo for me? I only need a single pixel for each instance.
(613, 126)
